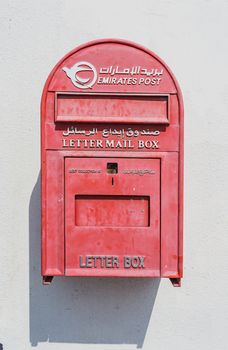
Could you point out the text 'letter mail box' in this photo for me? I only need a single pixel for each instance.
(112, 165)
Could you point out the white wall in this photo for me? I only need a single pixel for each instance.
(108, 314)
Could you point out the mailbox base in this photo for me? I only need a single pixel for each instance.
(176, 282)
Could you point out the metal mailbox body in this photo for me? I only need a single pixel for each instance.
(112, 165)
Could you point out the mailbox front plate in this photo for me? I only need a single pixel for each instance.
(112, 215)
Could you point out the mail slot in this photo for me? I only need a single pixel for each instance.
(111, 108)
(112, 165)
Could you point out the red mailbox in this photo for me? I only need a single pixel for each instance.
(112, 165)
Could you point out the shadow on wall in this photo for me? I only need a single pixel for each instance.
(85, 310)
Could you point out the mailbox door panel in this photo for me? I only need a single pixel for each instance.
(112, 217)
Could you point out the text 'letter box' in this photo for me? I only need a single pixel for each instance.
(112, 165)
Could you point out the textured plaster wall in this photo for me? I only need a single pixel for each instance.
(108, 314)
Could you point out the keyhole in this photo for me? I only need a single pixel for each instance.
(112, 181)
(112, 168)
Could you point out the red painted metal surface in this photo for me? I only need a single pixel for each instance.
(112, 165)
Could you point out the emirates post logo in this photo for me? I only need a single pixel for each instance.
(86, 79)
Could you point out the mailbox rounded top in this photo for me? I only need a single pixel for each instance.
(112, 66)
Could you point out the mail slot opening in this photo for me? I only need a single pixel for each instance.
(112, 168)
(112, 210)
(112, 108)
